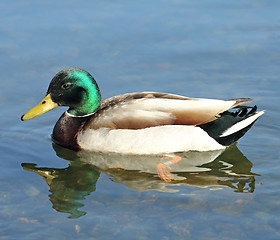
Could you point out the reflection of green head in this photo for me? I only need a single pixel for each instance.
(76, 88)
(68, 186)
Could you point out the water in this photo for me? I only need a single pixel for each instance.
(213, 49)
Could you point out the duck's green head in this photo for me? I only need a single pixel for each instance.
(73, 87)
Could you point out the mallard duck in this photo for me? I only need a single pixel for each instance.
(140, 122)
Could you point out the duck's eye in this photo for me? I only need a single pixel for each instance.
(65, 86)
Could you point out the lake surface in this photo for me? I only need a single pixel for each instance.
(212, 49)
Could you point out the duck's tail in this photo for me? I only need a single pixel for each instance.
(230, 126)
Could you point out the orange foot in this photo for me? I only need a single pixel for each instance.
(163, 172)
(163, 169)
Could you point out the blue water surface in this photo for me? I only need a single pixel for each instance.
(211, 49)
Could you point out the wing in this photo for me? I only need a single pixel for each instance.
(149, 109)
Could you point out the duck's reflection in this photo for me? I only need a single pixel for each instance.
(68, 185)
(203, 169)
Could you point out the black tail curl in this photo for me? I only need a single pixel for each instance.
(227, 119)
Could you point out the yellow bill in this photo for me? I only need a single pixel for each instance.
(45, 105)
